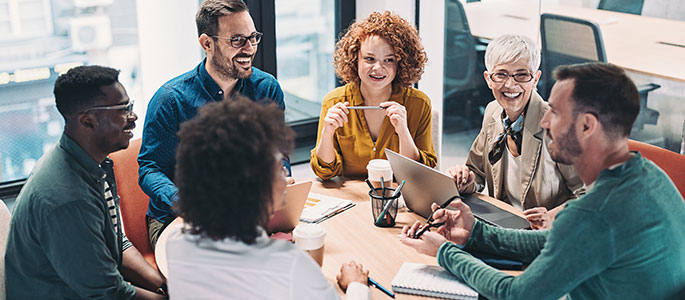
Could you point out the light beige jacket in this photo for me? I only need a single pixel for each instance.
(543, 181)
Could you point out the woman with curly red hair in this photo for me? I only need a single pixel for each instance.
(379, 59)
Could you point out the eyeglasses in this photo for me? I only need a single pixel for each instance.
(239, 41)
(518, 77)
(127, 108)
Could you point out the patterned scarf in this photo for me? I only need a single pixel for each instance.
(511, 129)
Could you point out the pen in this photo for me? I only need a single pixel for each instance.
(387, 206)
(371, 187)
(380, 287)
(429, 222)
(364, 107)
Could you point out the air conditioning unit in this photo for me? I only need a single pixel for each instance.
(90, 33)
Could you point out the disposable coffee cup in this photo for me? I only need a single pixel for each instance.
(310, 237)
(378, 168)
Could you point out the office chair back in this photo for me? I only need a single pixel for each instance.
(134, 202)
(565, 41)
(460, 49)
(4, 230)
(436, 137)
(624, 6)
(672, 163)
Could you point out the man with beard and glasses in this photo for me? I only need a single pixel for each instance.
(66, 240)
(624, 239)
(228, 36)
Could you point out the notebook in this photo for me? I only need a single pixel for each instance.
(432, 281)
(319, 207)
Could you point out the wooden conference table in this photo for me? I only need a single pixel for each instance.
(648, 45)
(351, 235)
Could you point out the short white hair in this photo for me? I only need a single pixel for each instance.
(510, 48)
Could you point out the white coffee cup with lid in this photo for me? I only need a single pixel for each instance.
(378, 168)
(310, 238)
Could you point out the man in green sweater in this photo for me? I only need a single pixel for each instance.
(625, 239)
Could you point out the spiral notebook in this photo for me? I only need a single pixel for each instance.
(433, 281)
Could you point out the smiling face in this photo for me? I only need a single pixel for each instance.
(560, 122)
(511, 95)
(377, 64)
(114, 127)
(229, 62)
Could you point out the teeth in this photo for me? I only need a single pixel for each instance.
(511, 95)
(377, 77)
(243, 60)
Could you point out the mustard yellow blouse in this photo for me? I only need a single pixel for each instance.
(353, 144)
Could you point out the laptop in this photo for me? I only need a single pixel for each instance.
(425, 185)
(285, 219)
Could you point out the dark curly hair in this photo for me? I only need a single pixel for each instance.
(224, 165)
(78, 88)
(401, 36)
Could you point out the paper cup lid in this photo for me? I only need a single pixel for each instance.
(309, 236)
(378, 165)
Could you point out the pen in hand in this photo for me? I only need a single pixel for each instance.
(429, 222)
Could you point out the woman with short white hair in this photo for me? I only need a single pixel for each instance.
(510, 153)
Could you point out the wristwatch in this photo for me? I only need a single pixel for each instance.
(162, 290)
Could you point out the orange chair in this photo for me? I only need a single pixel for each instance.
(672, 163)
(134, 201)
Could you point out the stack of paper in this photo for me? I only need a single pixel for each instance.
(321, 207)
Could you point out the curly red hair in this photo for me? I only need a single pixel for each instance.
(402, 37)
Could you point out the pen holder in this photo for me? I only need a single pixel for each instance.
(384, 209)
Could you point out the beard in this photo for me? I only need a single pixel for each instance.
(226, 69)
(567, 146)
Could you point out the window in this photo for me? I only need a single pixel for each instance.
(305, 41)
(40, 39)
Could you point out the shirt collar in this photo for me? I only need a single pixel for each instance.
(82, 157)
(210, 85)
(616, 169)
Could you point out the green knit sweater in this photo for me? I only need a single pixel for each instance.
(625, 239)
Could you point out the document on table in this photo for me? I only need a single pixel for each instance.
(319, 207)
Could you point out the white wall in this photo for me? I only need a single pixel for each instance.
(404, 8)
(168, 43)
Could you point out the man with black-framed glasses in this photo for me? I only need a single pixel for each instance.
(66, 239)
(228, 36)
(510, 152)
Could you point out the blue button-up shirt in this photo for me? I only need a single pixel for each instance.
(174, 103)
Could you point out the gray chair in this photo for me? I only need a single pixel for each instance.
(624, 6)
(464, 89)
(4, 230)
(567, 40)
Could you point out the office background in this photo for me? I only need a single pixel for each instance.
(152, 41)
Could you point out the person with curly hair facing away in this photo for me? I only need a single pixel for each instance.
(379, 59)
(231, 180)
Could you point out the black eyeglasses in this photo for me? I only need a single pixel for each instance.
(126, 107)
(518, 77)
(239, 41)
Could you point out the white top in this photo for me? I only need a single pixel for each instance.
(200, 268)
(512, 178)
